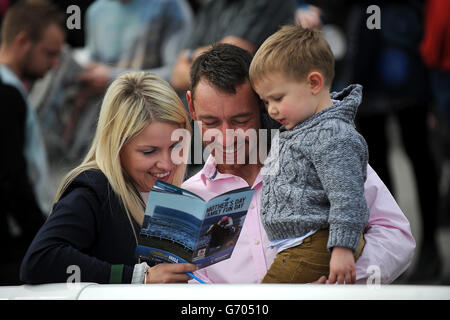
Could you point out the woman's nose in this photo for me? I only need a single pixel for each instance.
(165, 162)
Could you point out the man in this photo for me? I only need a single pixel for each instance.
(32, 38)
(221, 98)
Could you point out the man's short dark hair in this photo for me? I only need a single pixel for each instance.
(225, 66)
(31, 16)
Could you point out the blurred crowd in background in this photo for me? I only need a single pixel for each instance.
(404, 67)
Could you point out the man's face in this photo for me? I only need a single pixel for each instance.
(227, 121)
(43, 55)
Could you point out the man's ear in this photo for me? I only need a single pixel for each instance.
(191, 105)
(23, 41)
(315, 81)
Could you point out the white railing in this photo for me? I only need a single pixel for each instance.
(89, 291)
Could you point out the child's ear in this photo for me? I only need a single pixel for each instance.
(315, 81)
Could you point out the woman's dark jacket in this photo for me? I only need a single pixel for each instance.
(88, 230)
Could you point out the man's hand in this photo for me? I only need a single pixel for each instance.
(180, 75)
(95, 77)
(240, 42)
(342, 266)
(308, 17)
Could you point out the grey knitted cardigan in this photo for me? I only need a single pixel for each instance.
(315, 178)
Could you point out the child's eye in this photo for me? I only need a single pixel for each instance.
(277, 99)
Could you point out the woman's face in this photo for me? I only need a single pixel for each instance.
(147, 157)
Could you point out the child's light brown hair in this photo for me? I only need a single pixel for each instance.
(294, 52)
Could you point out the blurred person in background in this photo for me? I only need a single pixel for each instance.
(435, 51)
(388, 64)
(245, 23)
(121, 36)
(133, 34)
(32, 38)
(125, 35)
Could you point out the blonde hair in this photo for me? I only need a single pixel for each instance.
(131, 102)
(294, 51)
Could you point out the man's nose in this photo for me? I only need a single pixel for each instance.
(225, 126)
(228, 133)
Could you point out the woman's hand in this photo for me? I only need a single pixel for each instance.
(169, 273)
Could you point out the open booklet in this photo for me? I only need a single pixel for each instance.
(179, 226)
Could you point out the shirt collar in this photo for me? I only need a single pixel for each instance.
(9, 77)
(209, 172)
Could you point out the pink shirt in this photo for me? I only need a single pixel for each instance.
(389, 245)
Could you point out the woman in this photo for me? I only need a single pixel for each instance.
(99, 208)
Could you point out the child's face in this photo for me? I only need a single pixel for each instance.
(287, 101)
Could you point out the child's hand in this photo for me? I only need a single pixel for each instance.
(342, 266)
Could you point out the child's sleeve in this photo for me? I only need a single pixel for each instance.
(341, 164)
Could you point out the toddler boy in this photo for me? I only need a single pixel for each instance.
(313, 209)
